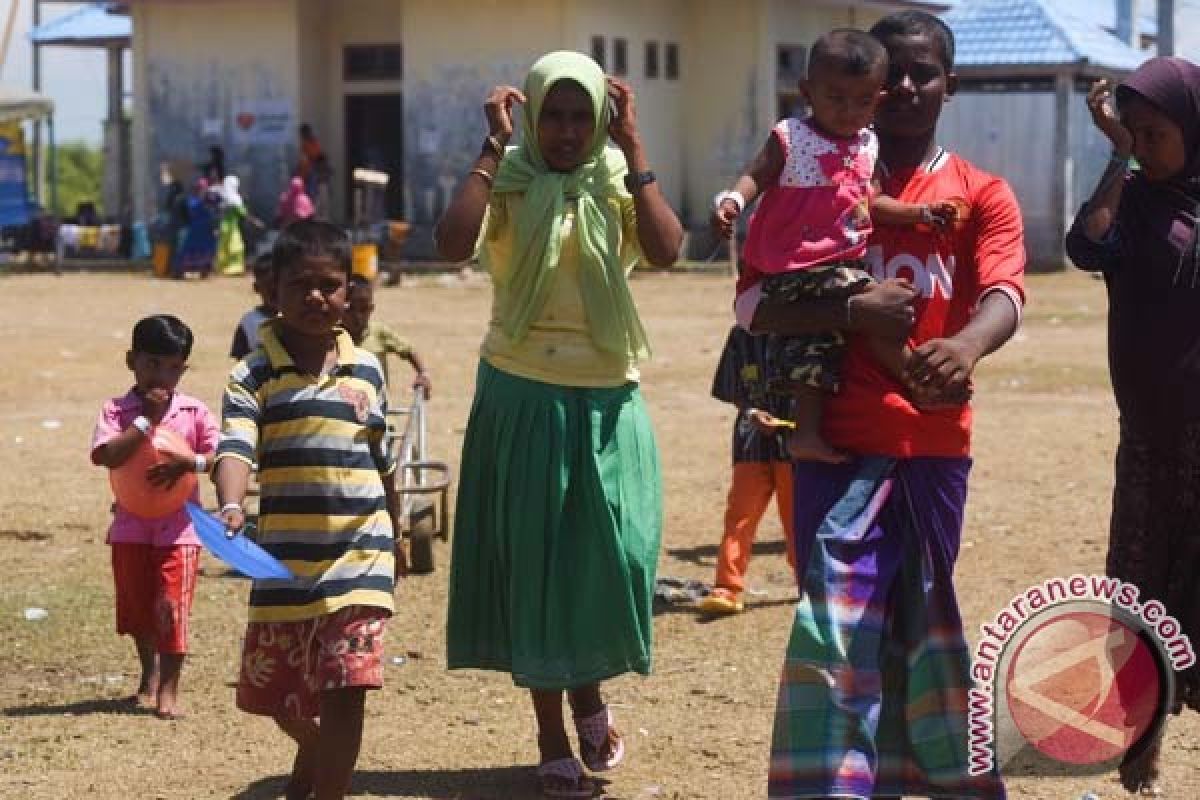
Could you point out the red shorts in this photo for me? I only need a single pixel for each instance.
(155, 586)
(286, 665)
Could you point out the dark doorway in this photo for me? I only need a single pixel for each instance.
(375, 140)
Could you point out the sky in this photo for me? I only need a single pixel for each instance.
(74, 78)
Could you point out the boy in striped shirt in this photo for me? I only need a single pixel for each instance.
(309, 408)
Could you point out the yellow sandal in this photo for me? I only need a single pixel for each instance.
(722, 601)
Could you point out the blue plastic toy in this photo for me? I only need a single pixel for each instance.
(238, 551)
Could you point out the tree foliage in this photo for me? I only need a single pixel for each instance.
(80, 177)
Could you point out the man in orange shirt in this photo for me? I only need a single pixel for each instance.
(314, 170)
(874, 694)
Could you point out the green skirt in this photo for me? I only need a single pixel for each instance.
(556, 533)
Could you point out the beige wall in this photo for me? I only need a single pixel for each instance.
(700, 130)
(317, 59)
(660, 102)
(455, 52)
(195, 61)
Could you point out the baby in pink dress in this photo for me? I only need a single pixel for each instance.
(820, 196)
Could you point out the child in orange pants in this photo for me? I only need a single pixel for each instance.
(761, 467)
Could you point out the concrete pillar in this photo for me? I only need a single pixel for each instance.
(1166, 27)
(1127, 22)
(1063, 90)
(116, 185)
(37, 171)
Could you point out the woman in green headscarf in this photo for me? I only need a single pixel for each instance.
(559, 512)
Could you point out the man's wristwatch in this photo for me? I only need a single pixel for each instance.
(636, 180)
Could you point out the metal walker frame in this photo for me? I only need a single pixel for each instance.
(421, 484)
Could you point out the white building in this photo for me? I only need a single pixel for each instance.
(399, 84)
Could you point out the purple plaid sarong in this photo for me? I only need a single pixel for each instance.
(873, 697)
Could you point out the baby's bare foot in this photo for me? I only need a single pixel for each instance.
(147, 693)
(168, 704)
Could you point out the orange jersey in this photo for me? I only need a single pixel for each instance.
(951, 272)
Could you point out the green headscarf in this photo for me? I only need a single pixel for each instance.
(612, 317)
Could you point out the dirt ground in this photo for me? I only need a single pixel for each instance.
(698, 728)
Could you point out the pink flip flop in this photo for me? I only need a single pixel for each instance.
(600, 746)
(564, 777)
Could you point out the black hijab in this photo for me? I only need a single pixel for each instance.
(1172, 85)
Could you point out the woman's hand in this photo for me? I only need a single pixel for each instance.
(498, 108)
(658, 229)
(1099, 102)
(457, 231)
(622, 128)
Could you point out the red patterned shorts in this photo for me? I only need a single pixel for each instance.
(286, 665)
(155, 587)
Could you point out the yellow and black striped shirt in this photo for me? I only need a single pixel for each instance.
(321, 446)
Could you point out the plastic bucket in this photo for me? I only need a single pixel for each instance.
(366, 261)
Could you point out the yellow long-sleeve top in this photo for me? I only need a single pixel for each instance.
(558, 347)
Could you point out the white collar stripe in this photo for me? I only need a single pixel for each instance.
(938, 161)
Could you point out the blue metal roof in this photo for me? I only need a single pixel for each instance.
(1103, 13)
(89, 26)
(992, 33)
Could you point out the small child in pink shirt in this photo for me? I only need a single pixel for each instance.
(155, 561)
(820, 195)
